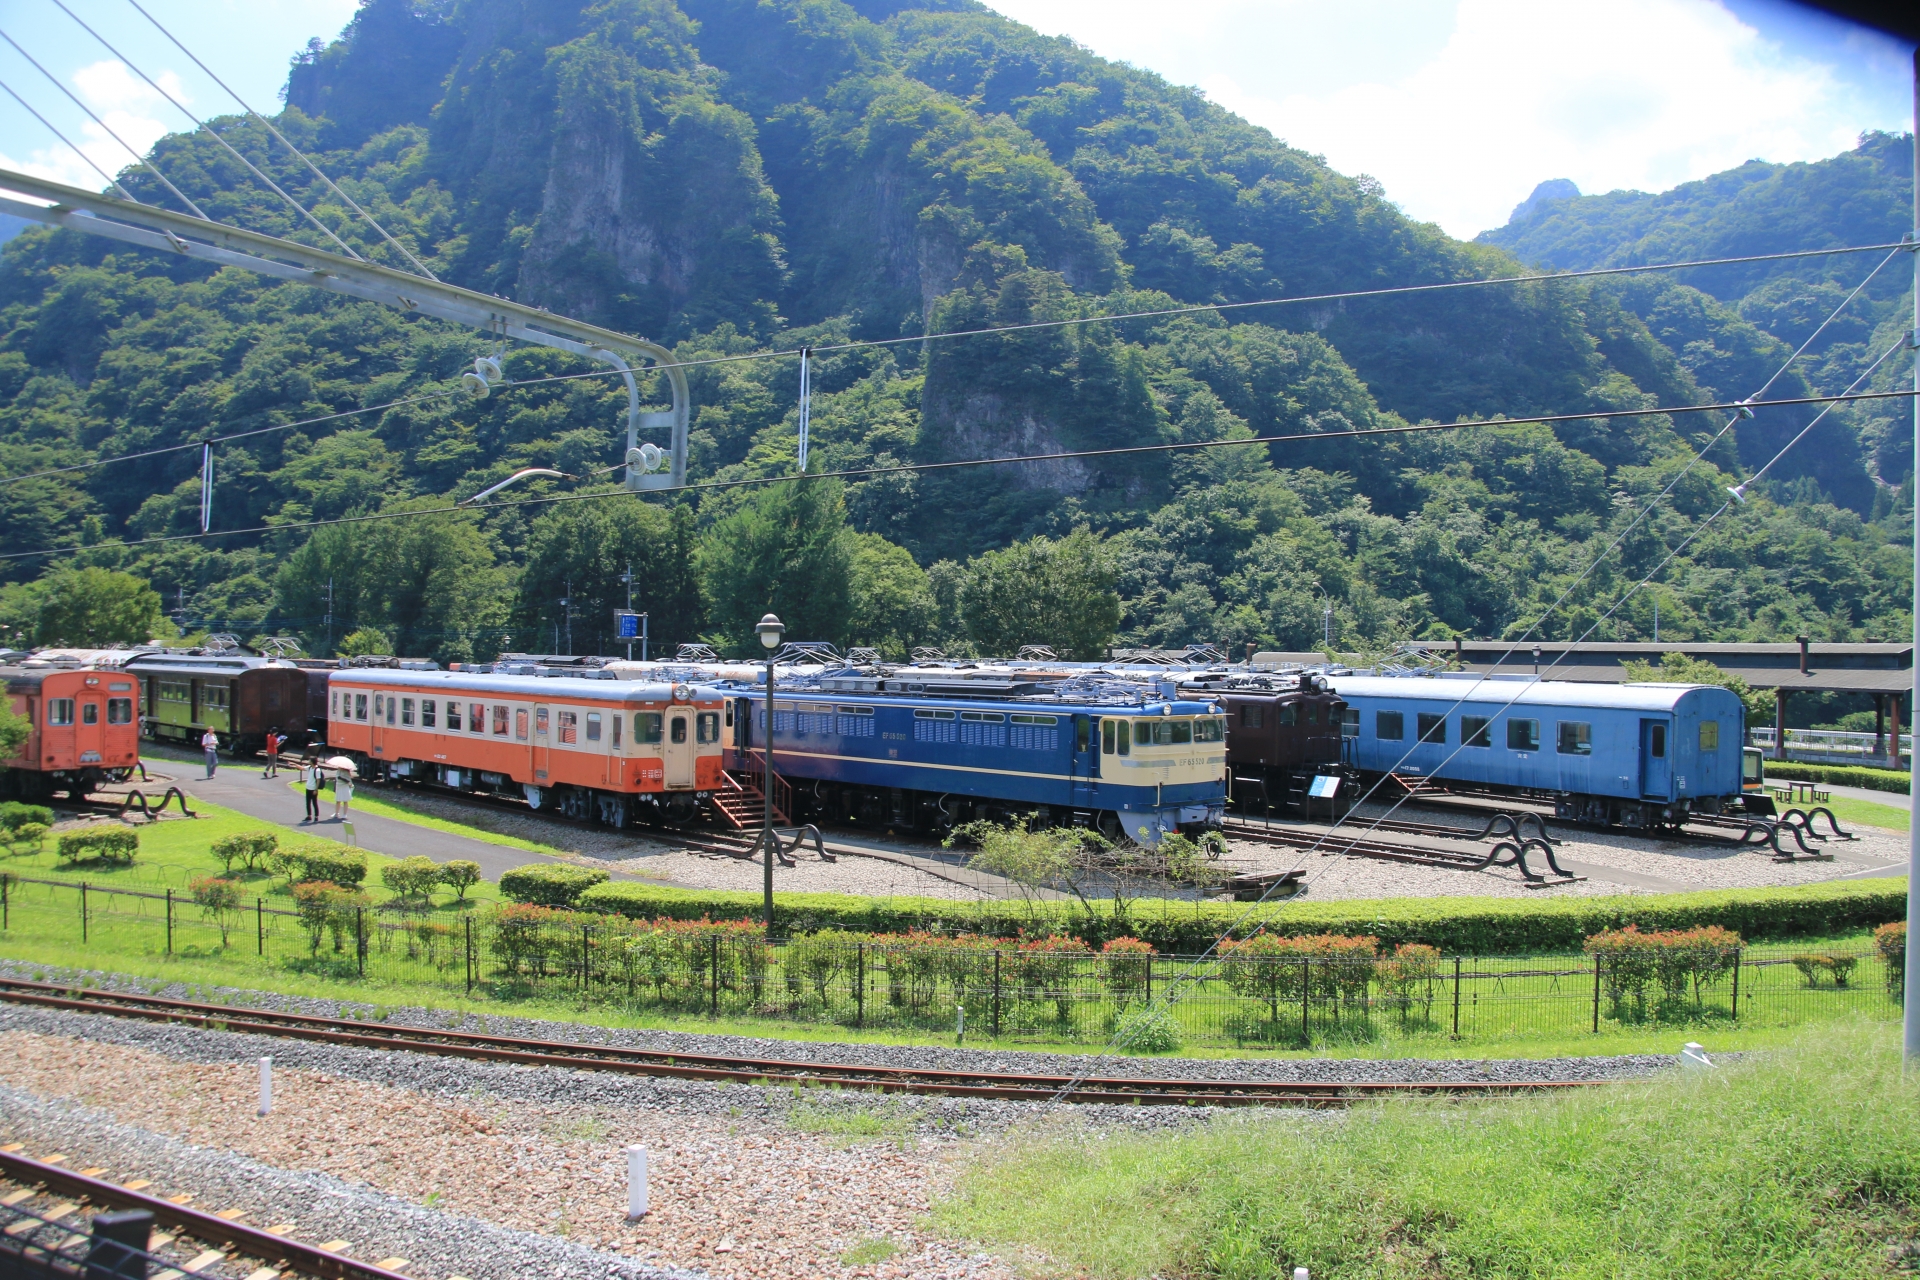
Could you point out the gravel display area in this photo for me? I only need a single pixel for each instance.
(743, 1182)
(934, 1116)
(321, 1206)
(1646, 864)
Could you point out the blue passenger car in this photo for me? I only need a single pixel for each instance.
(1638, 755)
(926, 754)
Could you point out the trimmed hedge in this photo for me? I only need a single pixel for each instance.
(116, 844)
(550, 884)
(1841, 775)
(1458, 926)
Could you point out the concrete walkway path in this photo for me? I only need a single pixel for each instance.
(239, 786)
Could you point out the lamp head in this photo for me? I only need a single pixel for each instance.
(770, 630)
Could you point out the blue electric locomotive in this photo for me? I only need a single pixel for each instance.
(1636, 755)
(926, 751)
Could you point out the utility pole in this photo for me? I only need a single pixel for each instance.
(1911, 1023)
(566, 609)
(329, 648)
(627, 578)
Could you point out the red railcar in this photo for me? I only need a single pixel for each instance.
(612, 750)
(85, 730)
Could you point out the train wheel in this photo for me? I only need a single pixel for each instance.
(682, 809)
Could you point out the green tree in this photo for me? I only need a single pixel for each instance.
(1678, 668)
(14, 731)
(365, 640)
(788, 552)
(893, 604)
(82, 607)
(1057, 593)
(581, 550)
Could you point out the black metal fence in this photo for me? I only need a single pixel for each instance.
(1046, 990)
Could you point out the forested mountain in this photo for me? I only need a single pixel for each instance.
(729, 176)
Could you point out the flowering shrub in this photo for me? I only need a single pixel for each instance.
(1045, 967)
(1272, 969)
(1891, 942)
(218, 900)
(328, 909)
(1409, 977)
(1127, 960)
(1632, 961)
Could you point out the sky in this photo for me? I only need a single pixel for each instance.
(1459, 107)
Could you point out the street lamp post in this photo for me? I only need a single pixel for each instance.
(770, 631)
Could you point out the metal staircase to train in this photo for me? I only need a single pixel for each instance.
(742, 804)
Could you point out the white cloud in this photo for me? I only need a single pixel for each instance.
(128, 105)
(1460, 109)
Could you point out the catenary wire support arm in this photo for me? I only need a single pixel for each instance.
(229, 246)
(806, 402)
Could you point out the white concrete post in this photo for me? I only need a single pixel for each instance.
(1300, 1273)
(636, 1183)
(266, 1085)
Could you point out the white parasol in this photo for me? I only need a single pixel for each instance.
(338, 762)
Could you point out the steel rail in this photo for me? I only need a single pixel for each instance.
(1004, 1086)
(250, 1241)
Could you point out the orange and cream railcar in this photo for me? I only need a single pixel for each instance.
(609, 750)
(84, 731)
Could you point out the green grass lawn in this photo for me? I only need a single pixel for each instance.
(1866, 813)
(1794, 1163)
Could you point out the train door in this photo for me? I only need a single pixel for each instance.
(89, 732)
(1086, 762)
(542, 743)
(377, 727)
(1656, 760)
(679, 749)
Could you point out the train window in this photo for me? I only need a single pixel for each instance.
(1290, 714)
(359, 706)
(569, 727)
(1523, 735)
(1313, 713)
(1576, 738)
(1389, 726)
(59, 711)
(379, 705)
(1123, 736)
(214, 695)
(117, 687)
(1210, 729)
(453, 717)
(1082, 731)
(1709, 735)
(593, 726)
(119, 710)
(520, 724)
(924, 713)
(984, 717)
(1657, 742)
(1433, 728)
(678, 731)
(708, 730)
(406, 711)
(89, 713)
(172, 691)
(618, 720)
(1350, 723)
(1017, 718)
(477, 717)
(1253, 715)
(1182, 732)
(845, 711)
(428, 713)
(1106, 737)
(1157, 732)
(646, 726)
(499, 721)
(333, 701)
(1475, 731)
(391, 700)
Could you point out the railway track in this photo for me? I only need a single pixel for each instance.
(49, 1212)
(1003, 1086)
(1510, 847)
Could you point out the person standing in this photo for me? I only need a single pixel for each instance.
(210, 743)
(342, 793)
(310, 785)
(274, 739)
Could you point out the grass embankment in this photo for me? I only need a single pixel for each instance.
(1865, 813)
(1798, 1163)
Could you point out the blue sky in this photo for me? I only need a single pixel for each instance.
(1458, 106)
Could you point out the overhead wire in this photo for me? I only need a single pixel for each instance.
(110, 180)
(299, 154)
(1742, 410)
(213, 133)
(138, 157)
(919, 467)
